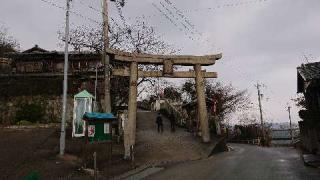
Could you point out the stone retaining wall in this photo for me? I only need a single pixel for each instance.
(51, 104)
(16, 91)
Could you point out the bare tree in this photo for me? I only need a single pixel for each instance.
(247, 118)
(7, 42)
(300, 101)
(172, 93)
(138, 37)
(229, 99)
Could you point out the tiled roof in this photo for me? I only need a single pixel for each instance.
(35, 49)
(310, 71)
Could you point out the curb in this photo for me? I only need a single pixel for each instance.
(34, 126)
(152, 165)
(131, 172)
(311, 160)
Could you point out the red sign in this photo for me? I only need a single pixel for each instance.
(91, 130)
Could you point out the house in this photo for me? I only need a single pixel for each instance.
(38, 60)
(36, 76)
(308, 83)
(40, 66)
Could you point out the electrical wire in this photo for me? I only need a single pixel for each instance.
(227, 5)
(73, 12)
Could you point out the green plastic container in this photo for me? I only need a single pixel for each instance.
(99, 126)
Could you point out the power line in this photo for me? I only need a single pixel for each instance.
(80, 15)
(227, 5)
(73, 12)
(178, 12)
(184, 21)
(171, 20)
(99, 11)
(54, 4)
(177, 19)
(188, 25)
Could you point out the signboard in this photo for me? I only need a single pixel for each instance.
(91, 130)
(106, 128)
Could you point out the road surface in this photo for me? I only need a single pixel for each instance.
(244, 162)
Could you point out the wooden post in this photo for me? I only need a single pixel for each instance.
(95, 165)
(132, 114)
(126, 137)
(105, 56)
(202, 108)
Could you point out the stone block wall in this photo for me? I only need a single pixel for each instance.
(51, 104)
(47, 92)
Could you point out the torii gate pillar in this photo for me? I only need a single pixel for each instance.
(202, 110)
(130, 133)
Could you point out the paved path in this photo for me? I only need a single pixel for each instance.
(245, 162)
(153, 147)
(156, 148)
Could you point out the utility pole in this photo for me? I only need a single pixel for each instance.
(105, 57)
(95, 105)
(260, 107)
(159, 90)
(65, 84)
(291, 134)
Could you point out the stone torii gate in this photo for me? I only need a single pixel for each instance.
(167, 61)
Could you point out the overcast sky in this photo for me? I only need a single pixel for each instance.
(261, 40)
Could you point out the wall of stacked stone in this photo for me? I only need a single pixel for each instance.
(46, 92)
(51, 104)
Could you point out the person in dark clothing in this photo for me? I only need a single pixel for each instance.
(159, 123)
(172, 123)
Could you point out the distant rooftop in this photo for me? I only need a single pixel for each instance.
(310, 71)
(36, 53)
(35, 49)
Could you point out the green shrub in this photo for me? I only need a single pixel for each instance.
(30, 112)
(164, 112)
(24, 123)
(212, 127)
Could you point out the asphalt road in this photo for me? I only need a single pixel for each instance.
(244, 162)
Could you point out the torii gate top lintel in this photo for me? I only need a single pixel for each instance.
(161, 59)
